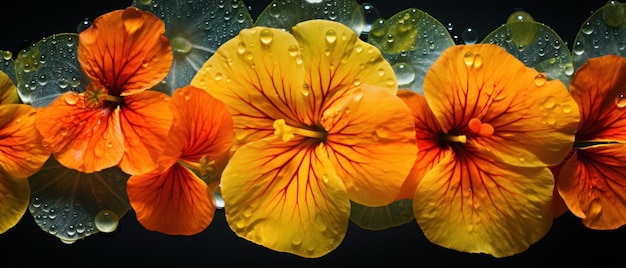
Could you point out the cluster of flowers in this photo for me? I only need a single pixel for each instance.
(296, 128)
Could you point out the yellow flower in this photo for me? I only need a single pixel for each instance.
(317, 124)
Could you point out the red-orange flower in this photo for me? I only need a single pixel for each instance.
(21, 154)
(592, 182)
(317, 125)
(116, 121)
(494, 125)
(173, 199)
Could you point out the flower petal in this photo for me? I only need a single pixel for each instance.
(259, 75)
(593, 186)
(145, 121)
(471, 204)
(427, 132)
(8, 91)
(525, 111)
(176, 202)
(337, 61)
(14, 199)
(79, 138)
(598, 88)
(285, 196)
(126, 51)
(21, 150)
(202, 127)
(371, 143)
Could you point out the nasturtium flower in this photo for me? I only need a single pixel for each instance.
(317, 124)
(21, 154)
(493, 128)
(172, 199)
(116, 121)
(592, 181)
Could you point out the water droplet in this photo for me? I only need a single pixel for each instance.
(331, 36)
(405, 74)
(266, 36)
(620, 100)
(478, 61)
(71, 98)
(469, 36)
(567, 108)
(468, 58)
(241, 47)
(549, 102)
(305, 90)
(293, 50)
(540, 79)
(218, 76)
(106, 221)
(357, 95)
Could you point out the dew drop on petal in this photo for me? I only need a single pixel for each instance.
(620, 100)
(567, 108)
(71, 99)
(266, 36)
(305, 90)
(106, 221)
(468, 58)
(540, 79)
(478, 60)
(331, 36)
(549, 102)
(357, 95)
(293, 50)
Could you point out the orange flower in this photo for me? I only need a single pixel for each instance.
(173, 199)
(317, 124)
(592, 182)
(21, 154)
(115, 121)
(493, 127)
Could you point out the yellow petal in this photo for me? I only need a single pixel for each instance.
(336, 61)
(259, 75)
(371, 143)
(145, 121)
(592, 185)
(531, 121)
(21, 146)
(14, 199)
(8, 91)
(473, 205)
(285, 196)
(176, 202)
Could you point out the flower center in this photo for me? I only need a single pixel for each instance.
(95, 96)
(287, 132)
(204, 167)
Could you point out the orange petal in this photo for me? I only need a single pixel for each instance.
(259, 75)
(471, 204)
(21, 149)
(176, 202)
(8, 91)
(81, 139)
(337, 61)
(598, 88)
(286, 197)
(14, 199)
(371, 143)
(533, 120)
(427, 132)
(202, 126)
(558, 204)
(593, 186)
(145, 120)
(125, 50)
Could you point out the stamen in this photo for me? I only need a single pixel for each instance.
(116, 99)
(204, 167)
(287, 132)
(452, 138)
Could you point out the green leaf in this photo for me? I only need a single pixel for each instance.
(284, 14)
(48, 69)
(378, 218)
(603, 33)
(410, 41)
(537, 46)
(72, 205)
(195, 30)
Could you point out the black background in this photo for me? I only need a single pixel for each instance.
(567, 243)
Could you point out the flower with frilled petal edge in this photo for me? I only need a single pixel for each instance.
(317, 123)
(173, 199)
(494, 125)
(116, 121)
(21, 154)
(592, 180)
